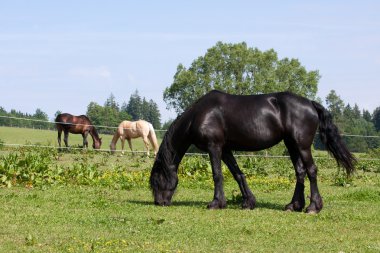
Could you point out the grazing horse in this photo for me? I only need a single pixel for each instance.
(219, 123)
(134, 129)
(76, 125)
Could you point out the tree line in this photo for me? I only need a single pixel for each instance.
(38, 120)
(111, 114)
(351, 120)
(108, 114)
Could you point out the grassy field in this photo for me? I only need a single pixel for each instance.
(102, 203)
(11, 135)
(92, 219)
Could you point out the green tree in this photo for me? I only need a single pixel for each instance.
(111, 103)
(42, 118)
(134, 107)
(124, 115)
(153, 114)
(238, 69)
(367, 115)
(111, 113)
(376, 118)
(95, 113)
(336, 106)
(356, 112)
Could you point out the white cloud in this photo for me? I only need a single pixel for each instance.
(91, 72)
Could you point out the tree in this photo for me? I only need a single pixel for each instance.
(238, 69)
(111, 103)
(124, 115)
(111, 114)
(153, 115)
(134, 106)
(95, 113)
(356, 112)
(376, 118)
(367, 115)
(42, 118)
(335, 105)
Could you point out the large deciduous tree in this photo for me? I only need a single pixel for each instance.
(238, 69)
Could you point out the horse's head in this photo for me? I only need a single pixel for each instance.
(97, 143)
(163, 181)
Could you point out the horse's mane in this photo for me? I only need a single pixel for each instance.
(166, 150)
(92, 127)
(166, 153)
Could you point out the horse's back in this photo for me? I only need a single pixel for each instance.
(134, 129)
(252, 122)
(73, 124)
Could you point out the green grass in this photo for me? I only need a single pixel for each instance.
(90, 219)
(69, 216)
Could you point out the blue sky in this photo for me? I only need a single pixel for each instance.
(61, 55)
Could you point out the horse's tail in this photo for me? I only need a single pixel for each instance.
(114, 141)
(330, 137)
(58, 121)
(153, 139)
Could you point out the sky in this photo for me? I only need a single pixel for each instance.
(62, 55)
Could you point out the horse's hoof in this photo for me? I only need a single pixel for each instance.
(249, 204)
(217, 205)
(312, 212)
(294, 207)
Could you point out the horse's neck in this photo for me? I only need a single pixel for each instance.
(178, 144)
(94, 134)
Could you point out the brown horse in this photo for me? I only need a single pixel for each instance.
(77, 125)
(134, 129)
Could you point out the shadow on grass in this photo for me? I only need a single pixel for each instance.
(231, 204)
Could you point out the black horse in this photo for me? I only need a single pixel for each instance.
(219, 123)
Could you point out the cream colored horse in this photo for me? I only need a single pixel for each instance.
(134, 129)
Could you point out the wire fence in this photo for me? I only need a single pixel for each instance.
(141, 151)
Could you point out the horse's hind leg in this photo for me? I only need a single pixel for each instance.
(316, 202)
(146, 142)
(59, 137)
(130, 145)
(249, 200)
(298, 200)
(66, 138)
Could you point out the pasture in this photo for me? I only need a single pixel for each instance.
(85, 201)
(23, 136)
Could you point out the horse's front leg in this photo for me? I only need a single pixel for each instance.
(122, 140)
(219, 200)
(249, 200)
(85, 142)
